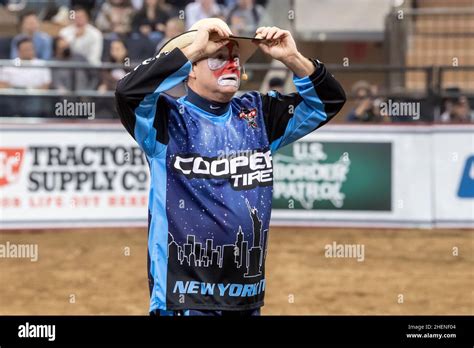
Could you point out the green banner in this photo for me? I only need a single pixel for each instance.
(333, 176)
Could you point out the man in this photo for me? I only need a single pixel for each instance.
(245, 16)
(83, 38)
(174, 26)
(30, 28)
(210, 161)
(366, 108)
(457, 108)
(201, 9)
(26, 77)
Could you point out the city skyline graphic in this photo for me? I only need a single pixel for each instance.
(240, 258)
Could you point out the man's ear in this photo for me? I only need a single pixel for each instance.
(192, 74)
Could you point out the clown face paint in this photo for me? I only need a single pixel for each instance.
(225, 66)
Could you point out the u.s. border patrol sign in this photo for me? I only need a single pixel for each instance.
(333, 176)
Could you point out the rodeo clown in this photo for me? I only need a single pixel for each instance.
(210, 159)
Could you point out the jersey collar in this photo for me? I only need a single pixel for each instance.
(212, 107)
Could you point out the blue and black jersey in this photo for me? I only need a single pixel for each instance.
(211, 179)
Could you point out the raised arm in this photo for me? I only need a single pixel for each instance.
(137, 94)
(319, 96)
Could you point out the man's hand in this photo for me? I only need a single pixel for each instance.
(209, 39)
(280, 45)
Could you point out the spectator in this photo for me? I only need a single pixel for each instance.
(244, 17)
(25, 77)
(447, 103)
(457, 110)
(117, 54)
(83, 38)
(108, 78)
(69, 79)
(277, 84)
(174, 26)
(201, 9)
(152, 17)
(29, 27)
(115, 16)
(367, 108)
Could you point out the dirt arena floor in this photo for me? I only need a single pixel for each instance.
(89, 271)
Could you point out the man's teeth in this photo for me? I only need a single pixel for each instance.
(228, 80)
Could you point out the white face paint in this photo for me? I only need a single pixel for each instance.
(224, 65)
(219, 62)
(228, 80)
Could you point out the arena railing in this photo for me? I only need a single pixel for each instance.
(390, 81)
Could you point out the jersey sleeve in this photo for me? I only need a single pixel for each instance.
(141, 111)
(318, 99)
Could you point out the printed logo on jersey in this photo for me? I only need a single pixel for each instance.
(249, 116)
(244, 171)
(241, 260)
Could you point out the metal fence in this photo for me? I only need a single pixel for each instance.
(433, 37)
(389, 80)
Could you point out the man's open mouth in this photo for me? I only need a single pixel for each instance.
(228, 80)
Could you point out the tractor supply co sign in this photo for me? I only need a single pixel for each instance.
(71, 176)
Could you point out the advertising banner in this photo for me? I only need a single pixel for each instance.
(454, 177)
(333, 175)
(52, 175)
(74, 175)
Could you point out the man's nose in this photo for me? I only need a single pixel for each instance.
(233, 64)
